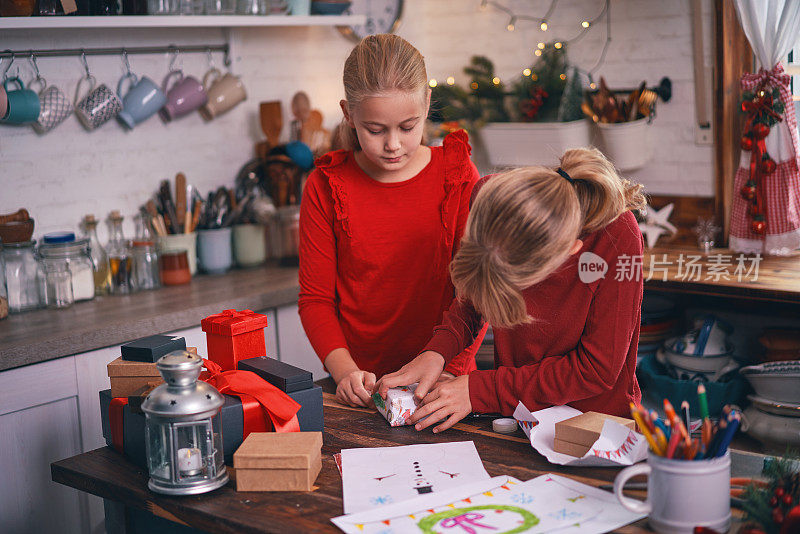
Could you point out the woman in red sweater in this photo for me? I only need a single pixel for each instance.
(552, 260)
(379, 224)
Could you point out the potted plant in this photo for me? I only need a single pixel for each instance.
(531, 122)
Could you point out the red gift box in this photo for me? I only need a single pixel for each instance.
(234, 335)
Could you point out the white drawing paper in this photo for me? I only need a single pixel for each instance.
(616, 446)
(501, 504)
(378, 476)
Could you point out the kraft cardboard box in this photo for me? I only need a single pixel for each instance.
(131, 378)
(579, 433)
(269, 461)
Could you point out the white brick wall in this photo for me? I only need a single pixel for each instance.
(70, 172)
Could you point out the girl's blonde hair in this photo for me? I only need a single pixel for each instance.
(379, 64)
(524, 223)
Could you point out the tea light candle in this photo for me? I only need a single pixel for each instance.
(190, 462)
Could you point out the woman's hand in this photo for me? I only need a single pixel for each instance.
(448, 399)
(355, 388)
(425, 369)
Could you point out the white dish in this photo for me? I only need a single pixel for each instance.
(770, 428)
(775, 381)
(788, 409)
(701, 364)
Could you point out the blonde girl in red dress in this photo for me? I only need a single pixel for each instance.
(379, 224)
(549, 259)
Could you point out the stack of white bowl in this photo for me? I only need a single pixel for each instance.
(774, 415)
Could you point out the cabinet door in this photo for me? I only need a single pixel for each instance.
(293, 345)
(40, 424)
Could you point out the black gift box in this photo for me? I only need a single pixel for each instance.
(151, 348)
(283, 376)
(310, 417)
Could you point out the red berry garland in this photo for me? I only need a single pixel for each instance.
(763, 109)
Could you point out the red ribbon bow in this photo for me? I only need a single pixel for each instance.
(276, 406)
(774, 78)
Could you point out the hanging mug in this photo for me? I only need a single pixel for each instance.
(185, 95)
(23, 104)
(3, 103)
(99, 106)
(224, 92)
(143, 99)
(55, 107)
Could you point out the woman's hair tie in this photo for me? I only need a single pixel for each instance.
(564, 174)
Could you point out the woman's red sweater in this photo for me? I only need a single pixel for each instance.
(374, 256)
(580, 348)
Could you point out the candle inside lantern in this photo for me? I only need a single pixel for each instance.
(190, 462)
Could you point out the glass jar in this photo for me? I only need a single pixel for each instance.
(145, 265)
(252, 7)
(57, 283)
(119, 258)
(102, 271)
(23, 276)
(77, 259)
(163, 7)
(220, 7)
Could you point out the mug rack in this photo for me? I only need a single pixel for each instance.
(174, 49)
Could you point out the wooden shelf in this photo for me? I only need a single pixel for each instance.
(777, 280)
(186, 21)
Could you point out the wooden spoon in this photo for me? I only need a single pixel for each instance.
(180, 199)
(271, 121)
(311, 127)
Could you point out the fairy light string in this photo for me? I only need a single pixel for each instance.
(544, 25)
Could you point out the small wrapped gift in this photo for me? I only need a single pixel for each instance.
(576, 435)
(278, 462)
(234, 335)
(399, 404)
(132, 378)
(151, 348)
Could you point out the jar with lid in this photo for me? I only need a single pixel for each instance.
(102, 271)
(145, 265)
(73, 254)
(23, 276)
(119, 257)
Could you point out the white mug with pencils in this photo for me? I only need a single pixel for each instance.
(688, 478)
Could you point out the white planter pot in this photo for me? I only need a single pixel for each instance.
(628, 145)
(532, 143)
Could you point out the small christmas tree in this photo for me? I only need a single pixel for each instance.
(547, 94)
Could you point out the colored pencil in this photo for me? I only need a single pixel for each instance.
(729, 432)
(686, 419)
(645, 431)
(673, 444)
(677, 425)
(701, 397)
(661, 438)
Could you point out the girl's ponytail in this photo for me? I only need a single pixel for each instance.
(344, 137)
(602, 193)
(484, 278)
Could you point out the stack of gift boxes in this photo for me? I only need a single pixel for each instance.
(235, 341)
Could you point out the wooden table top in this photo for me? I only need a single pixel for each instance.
(42, 335)
(106, 473)
(687, 270)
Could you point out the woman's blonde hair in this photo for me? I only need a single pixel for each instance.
(379, 64)
(523, 225)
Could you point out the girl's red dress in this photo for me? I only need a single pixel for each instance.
(374, 256)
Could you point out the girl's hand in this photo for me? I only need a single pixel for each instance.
(449, 399)
(425, 369)
(355, 388)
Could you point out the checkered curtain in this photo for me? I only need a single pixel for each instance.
(773, 28)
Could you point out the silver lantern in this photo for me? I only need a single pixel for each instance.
(184, 444)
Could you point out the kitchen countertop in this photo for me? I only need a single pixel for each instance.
(43, 335)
